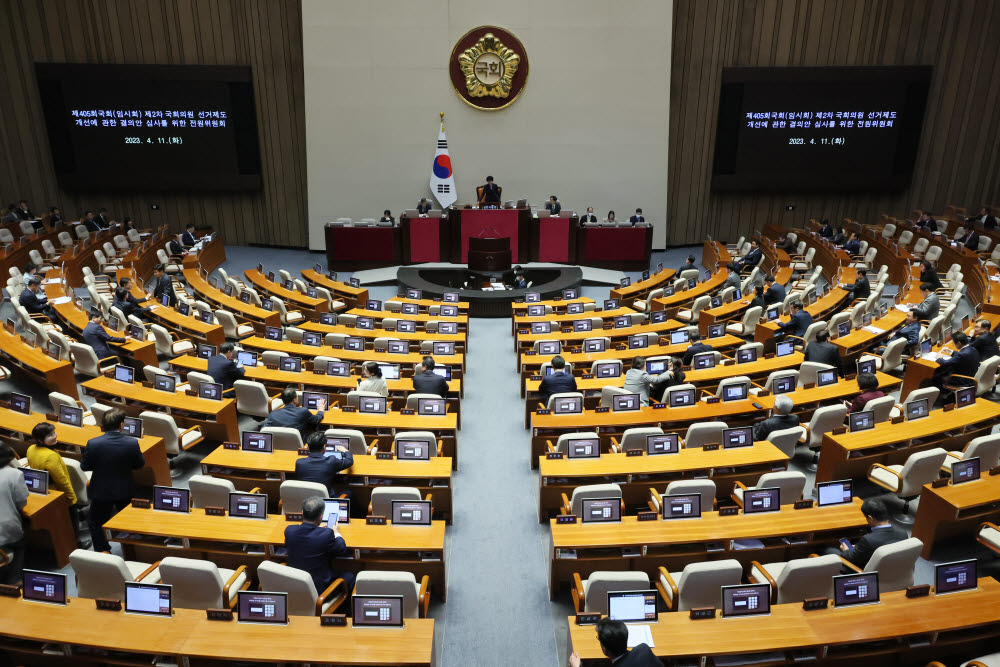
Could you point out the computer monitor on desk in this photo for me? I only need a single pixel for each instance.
(917, 409)
(70, 416)
(595, 345)
(625, 402)
(632, 606)
(679, 337)
(746, 600)
(681, 506)
(252, 441)
(151, 599)
(682, 398)
(965, 397)
(784, 348)
(336, 510)
(601, 510)
(853, 589)
(20, 403)
(170, 499)
(966, 470)
(662, 443)
(834, 493)
(957, 576)
(377, 611)
(48, 587)
(124, 373)
(761, 500)
(861, 421)
(583, 448)
(735, 392)
(570, 405)
(37, 481)
(373, 405)
(434, 407)
(656, 366)
(413, 450)
(247, 505)
(737, 437)
(338, 368)
(541, 327)
(608, 369)
(262, 607)
(411, 512)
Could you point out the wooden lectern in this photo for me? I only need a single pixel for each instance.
(489, 254)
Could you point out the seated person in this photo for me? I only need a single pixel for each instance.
(931, 304)
(881, 532)
(928, 274)
(826, 230)
(519, 281)
(909, 331)
(613, 637)
(312, 547)
(781, 418)
(823, 351)
(853, 245)
(371, 379)
(97, 337)
(188, 239)
(965, 362)
(175, 247)
(673, 376)
(752, 258)
(638, 381)
(293, 415)
(30, 272)
(429, 382)
(860, 288)
(798, 323)
(868, 384)
(839, 237)
(127, 303)
(969, 237)
(553, 206)
(984, 341)
(559, 381)
(637, 218)
(423, 206)
(926, 221)
(688, 265)
(611, 217)
(775, 291)
(387, 216)
(695, 347)
(224, 370)
(318, 466)
(785, 243)
(588, 216)
(32, 300)
(42, 456)
(758, 298)
(732, 277)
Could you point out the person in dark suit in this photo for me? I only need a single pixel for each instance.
(111, 457)
(695, 347)
(969, 237)
(775, 291)
(557, 382)
(758, 298)
(881, 532)
(613, 636)
(423, 206)
(128, 304)
(928, 274)
(589, 215)
(224, 370)
(387, 216)
(11, 214)
(926, 221)
(519, 281)
(30, 300)
(293, 415)
(823, 351)
(965, 361)
(930, 305)
(860, 288)
(102, 218)
(826, 230)
(753, 257)
(490, 192)
(784, 243)
(318, 466)
(175, 247)
(429, 382)
(55, 216)
(910, 331)
(799, 321)
(161, 284)
(781, 418)
(985, 218)
(984, 341)
(23, 212)
(839, 237)
(187, 238)
(853, 245)
(97, 337)
(637, 218)
(689, 264)
(311, 546)
(673, 376)
(732, 276)
(553, 206)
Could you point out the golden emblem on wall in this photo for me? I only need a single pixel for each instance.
(488, 68)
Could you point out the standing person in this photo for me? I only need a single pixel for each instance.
(128, 304)
(161, 285)
(775, 291)
(41, 456)
(13, 498)
(111, 457)
(372, 379)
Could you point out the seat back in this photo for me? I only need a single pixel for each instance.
(163, 339)
(705, 487)
(824, 420)
(412, 400)
(986, 376)
(729, 382)
(294, 492)
(565, 394)
(699, 435)
(422, 436)
(750, 319)
(803, 578)
(160, 425)
(921, 468)
(790, 482)
(99, 575)
(356, 442)
(785, 439)
(700, 584)
(227, 322)
(921, 245)
(298, 584)
(987, 448)
(196, 379)
(635, 438)
(197, 584)
(608, 393)
(84, 359)
(617, 362)
(777, 375)
(288, 439)
(905, 237)
(600, 583)
(251, 398)
(894, 564)
(385, 582)
(892, 356)
(592, 491)
(562, 444)
(882, 407)
(78, 479)
(208, 491)
(383, 496)
(57, 400)
(354, 397)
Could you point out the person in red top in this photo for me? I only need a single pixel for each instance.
(868, 384)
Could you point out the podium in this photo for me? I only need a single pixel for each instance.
(512, 224)
(489, 254)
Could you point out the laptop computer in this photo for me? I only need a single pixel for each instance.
(336, 510)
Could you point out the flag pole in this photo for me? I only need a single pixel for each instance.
(442, 120)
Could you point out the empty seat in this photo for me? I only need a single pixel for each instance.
(790, 482)
(382, 497)
(303, 599)
(574, 504)
(282, 438)
(200, 584)
(208, 491)
(698, 584)
(416, 597)
(103, 575)
(704, 487)
(797, 579)
(907, 480)
(591, 595)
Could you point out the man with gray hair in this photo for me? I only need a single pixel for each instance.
(779, 419)
(311, 547)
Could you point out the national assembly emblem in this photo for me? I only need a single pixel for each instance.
(488, 68)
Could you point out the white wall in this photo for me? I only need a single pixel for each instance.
(590, 125)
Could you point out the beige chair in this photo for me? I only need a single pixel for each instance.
(169, 266)
(413, 400)
(824, 420)
(200, 584)
(986, 448)
(252, 399)
(592, 595)
(907, 480)
(433, 444)
(356, 441)
(85, 361)
(704, 487)
(785, 439)
(160, 425)
(382, 497)
(647, 303)
(698, 585)
(984, 380)
(790, 482)
(232, 329)
(79, 478)
(103, 575)
(808, 372)
(562, 444)
(574, 504)
(633, 438)
(272, 357)
(705, 433)
(303, 600)
(882, 407)
(727, 382)
(608, 394)
(166, 346)
(894, 563)
(282, 438)
(354, 397)
(150, 373)
(287, 316)
(748, 325)
(694, 313)
(772, 377)
(59, 400)
(416, 598)
(294, 493)
(797, 579)
(989, 536)
(208, 491)
(891, 358)
(196, 378)
(561, 395)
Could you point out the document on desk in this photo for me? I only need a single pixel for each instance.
(932, 356)
(640, 634)
(873, 329)
(62, 299)
(902, 308)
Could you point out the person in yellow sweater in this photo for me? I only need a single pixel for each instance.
(41, 456)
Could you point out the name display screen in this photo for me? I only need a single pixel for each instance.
(151, 127)
(818, 129)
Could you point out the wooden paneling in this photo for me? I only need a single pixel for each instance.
(264, 34)
(957, 162)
